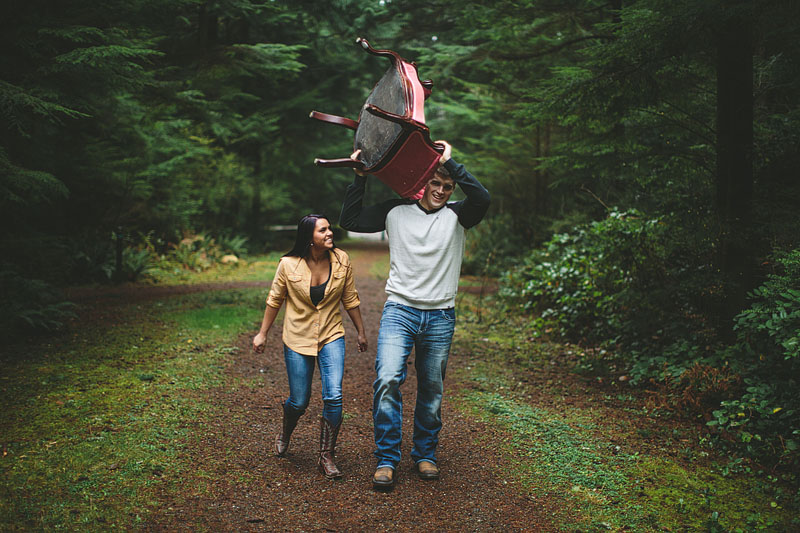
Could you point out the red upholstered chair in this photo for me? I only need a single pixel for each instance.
(390, 131)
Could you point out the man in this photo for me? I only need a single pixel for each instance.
(426, 245)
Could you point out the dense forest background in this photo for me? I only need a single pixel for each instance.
(642, 158)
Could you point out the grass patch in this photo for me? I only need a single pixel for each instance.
(256, 268)
(380, 268)
(98, 420)
(591, 456)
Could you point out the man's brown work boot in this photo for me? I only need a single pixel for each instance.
(427, 470)
(383, 478)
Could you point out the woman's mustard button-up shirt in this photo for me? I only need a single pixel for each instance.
(308, 327)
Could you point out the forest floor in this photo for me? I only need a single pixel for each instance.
(528, 443)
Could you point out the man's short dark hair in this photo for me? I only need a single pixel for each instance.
(443, 172)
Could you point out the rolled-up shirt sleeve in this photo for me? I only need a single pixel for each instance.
(277, 292)
(350, 294)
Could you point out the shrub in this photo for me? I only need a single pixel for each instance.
(609, 281)
(233, 244)
(765, 419)
(29, 305)
(771, 326)
(493, 246)
(698, 389)
(136, 263)
(92, 258)
(196, 252)
(626, 285)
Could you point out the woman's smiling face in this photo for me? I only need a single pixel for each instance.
(323, 235)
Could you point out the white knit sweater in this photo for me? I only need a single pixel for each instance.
(426, 251)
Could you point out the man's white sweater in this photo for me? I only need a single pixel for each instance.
(426, 251)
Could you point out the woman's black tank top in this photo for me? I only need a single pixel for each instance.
(318, 291)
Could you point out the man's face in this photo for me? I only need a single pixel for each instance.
(437, 192)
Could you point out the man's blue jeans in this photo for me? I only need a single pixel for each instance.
(300, 369)
(430, 333)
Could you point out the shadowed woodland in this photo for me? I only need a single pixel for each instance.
(642, 158)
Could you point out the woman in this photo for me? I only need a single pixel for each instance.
(313, 278)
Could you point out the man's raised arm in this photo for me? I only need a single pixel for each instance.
(473, 208)
(356, 217)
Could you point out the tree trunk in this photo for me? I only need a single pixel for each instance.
(735, 159)
(542, 150)
(207, 27)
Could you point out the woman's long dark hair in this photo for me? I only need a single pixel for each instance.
(305, 233)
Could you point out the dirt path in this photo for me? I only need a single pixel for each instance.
(250, 489)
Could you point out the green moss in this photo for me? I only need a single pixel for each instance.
(559, 457)
(557, 454)
(95, 421)
(705, 497)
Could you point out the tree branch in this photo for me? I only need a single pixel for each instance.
(554, 49)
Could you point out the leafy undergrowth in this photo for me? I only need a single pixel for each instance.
(95, 418)
(615, 463)
(255, 268)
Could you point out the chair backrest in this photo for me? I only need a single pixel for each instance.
(390, 131)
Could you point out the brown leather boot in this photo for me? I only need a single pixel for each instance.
(383, 480)
(327, 449)
(290, 417)
(427, 470)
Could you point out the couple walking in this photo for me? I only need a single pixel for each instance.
(426, 245)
